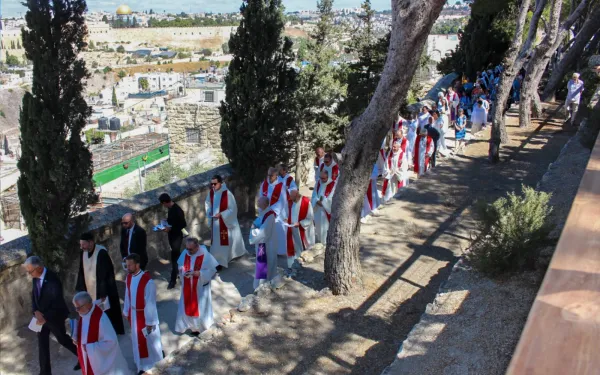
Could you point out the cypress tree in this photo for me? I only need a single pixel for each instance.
(55, 186)
(259, 112)
(115, 102)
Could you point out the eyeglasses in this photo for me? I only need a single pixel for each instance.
(214, 183)
(77, 308)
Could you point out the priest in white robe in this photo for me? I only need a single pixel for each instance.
(301, 231)
(140, 310)
(288, 181)
(381, 158)
(275, 191)
(331, 167)
(395, 175)
(98, 348)
(263, 237)
(197, 268)
(220, 206)
(322, 199)
(372, 197)
(319, 159)
(423, 151)
(411, 137)
(97, 277)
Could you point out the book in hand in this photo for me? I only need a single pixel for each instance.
(34, 326)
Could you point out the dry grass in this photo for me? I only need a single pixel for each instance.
(177, 67)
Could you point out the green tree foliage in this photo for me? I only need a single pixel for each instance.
(144, 84)
(225, 48)
(12, 60)
(206, 52)
(115, 101)
(512, 232)
(259, 112)
(107, 69)
(94, 65)
(104, 18)
(485, 39)
(55, 185)
(122, 74)
(121, 49)
(94, 137)
(451, 26)
(91, 45)
(321, 89)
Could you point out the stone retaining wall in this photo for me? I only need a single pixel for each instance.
(15, 287)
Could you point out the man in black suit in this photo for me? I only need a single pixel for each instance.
(50, 310)
(177, 223)
(133, 240)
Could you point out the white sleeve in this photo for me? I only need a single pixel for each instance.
(150, 309)
(103, 353)
(315, 196)
(293, 185)
(309, 218)
(126, 301)
(209, 268)
(262, 234)
(208, 210)
(327, 202)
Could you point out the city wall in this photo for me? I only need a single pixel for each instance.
(15, 286)
(181, 37)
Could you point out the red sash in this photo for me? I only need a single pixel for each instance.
(276, 193)
(140, 317)
(382, 154)
(92, 337)
(328, 190)
(288, 183)
(370, 194)
(190, 292)
(265, 216)
(304, 203)
(416, 152)
(335, 171)
(223, 205)
(265, 188)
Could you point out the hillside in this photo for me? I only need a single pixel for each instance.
(10, 105)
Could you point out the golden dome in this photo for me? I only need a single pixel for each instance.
(123, 10)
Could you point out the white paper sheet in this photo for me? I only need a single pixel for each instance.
(34, 326)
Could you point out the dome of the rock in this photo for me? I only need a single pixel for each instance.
(123, 10)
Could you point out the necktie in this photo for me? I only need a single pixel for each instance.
(37, 287)
(128, 240)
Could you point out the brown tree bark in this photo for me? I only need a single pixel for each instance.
(590, 27)
(555, 33)
(513, 61)
(411, 22)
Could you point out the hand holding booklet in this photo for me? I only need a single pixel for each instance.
(34, 326)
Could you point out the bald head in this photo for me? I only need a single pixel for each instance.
(127, 220)
(294, 195)
(263, 203)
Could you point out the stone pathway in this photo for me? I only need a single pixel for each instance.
(406, 255)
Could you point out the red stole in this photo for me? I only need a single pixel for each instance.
(190, 292)
(335, 171)
(92, 337)
(223, 205)
(265, 216)
(276, 194)
(265, 188)
(370, 193)
(140, 317)
(328, 190)
(304, 204)
(288, 183)
(416, 152)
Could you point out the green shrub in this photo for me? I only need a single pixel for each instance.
(513, 231)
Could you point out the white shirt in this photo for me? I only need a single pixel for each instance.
(575, 90)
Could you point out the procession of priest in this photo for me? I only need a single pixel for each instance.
(287, 224)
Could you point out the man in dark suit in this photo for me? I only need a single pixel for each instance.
(133, 240)
(50, 310)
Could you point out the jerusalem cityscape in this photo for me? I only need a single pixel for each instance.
(383, 187)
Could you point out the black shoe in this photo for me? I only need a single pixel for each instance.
(219, 268)
(77, 367)
(194, 334)
(171, 285)
(140, 373)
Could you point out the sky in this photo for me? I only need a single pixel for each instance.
(12, 8)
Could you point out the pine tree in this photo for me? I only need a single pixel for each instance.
(18, 44)
(115, 102)
(320, 87)
(259, 112)
(55, 186)
(135, 24)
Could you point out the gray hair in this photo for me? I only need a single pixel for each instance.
(82, 298)
(263, 201)
(193, 240)
(34, 261)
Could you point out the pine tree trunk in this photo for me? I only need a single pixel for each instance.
(411, 22)
(537, 108)
(573, 54)
(542, 55)
(511, 68)
(299, 162)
